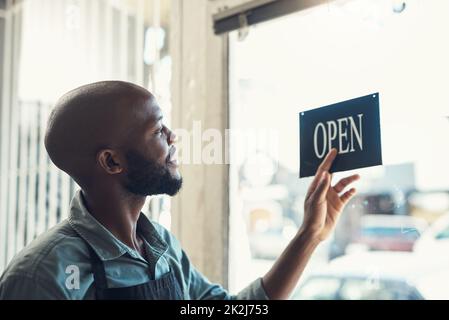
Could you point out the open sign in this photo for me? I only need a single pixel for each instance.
(352, 127)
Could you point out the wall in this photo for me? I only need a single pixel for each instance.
(199, 93)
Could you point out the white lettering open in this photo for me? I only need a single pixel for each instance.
(340, 134)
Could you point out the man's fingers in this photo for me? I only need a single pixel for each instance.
(319, 195)
(324, 166)
(343, 183)
(327, 162)
(347, 196)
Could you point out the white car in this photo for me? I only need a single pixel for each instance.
(435, 240)
(377, 276)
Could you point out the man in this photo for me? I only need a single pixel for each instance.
(110, 138)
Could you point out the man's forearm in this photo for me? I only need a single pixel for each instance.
(322, 207)
(282, 278)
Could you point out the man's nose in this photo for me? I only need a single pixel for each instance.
(171, 137)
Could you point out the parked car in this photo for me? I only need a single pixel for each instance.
(435, 240)
(377, 276)
(389, 232)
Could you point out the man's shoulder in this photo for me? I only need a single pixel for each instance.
(45, 256)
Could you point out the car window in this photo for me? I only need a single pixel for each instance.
(319, 288)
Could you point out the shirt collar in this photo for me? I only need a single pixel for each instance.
(103, 242)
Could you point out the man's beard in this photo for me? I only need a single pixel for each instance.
(148, 178)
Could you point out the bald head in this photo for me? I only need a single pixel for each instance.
(93, 117)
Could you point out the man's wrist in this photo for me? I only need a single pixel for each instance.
(309, 236)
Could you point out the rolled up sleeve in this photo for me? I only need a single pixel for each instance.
(254, 291)
(200, 288)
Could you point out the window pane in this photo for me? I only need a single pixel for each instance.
(327, 54)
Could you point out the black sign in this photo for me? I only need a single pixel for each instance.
(352, 127)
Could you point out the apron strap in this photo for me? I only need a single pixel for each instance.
(100, 282)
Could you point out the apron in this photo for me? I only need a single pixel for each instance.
(164, 288)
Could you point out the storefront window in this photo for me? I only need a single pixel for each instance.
(323, 55)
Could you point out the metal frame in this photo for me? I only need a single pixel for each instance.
(14, 138)
(4, 137)
(237, 10)
(258, 11)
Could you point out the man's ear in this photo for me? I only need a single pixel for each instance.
(110, 161)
